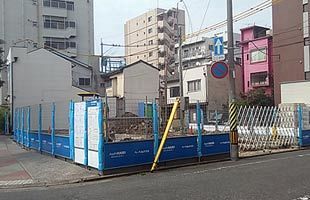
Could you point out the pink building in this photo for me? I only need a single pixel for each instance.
(256, 43)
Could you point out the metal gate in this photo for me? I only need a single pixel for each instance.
(266, 128)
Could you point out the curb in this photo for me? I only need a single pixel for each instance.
(104, 177)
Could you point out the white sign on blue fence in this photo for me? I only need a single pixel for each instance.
(79, 131)
(93, 134)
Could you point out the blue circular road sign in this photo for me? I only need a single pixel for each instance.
(219, 70)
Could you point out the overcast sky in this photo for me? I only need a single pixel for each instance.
(111, 15)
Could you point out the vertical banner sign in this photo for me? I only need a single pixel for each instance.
(93, 132)
(79, 131)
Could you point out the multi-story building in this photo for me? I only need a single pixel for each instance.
(151, 36)
(64, 25)
(290, 42)
(200, 50)
(61, 24)
(256, 45)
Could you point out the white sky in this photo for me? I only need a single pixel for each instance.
(111, 15)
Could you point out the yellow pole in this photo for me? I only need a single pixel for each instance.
(164, 138)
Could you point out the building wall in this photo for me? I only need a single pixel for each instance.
(250, 67)
(141, 82)
(288, 43)
(295, 92)
(41, 77)
(23, 19)
(151, 43)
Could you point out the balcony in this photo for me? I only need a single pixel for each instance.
(164, 26)
(60, 33)
(161, 60)
(164, 37)
(51, 11)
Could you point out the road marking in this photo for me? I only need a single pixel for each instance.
(307, 197)
(16, 182)
(244, 164)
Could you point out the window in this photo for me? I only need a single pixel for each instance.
(108, 84)
(149, 19)
(211, 47)
(102, 85)
(84, 81)
(150, 30)
(151, 54)
(70, 5)
(305, 7)
(259, 55)
(59, 43)
(175, 91)
(259, 79)
(247, 56)
(46, 3)
(151, 42)
(194, 86)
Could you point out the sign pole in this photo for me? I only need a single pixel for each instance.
(232, 92)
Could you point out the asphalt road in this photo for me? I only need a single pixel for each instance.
(282, 176)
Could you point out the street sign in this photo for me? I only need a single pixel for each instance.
(219, 70)
(218, 46)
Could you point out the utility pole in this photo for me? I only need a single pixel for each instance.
(180, 68)
(232, 92)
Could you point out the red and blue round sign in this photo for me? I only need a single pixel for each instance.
(219, 70)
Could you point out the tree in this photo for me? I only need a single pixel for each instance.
(256, 97)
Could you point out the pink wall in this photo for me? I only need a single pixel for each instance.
(263, 66)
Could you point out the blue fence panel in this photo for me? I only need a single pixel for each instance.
(179, 148)
(126, 154)
(34, 142)
(215, 144)
(306, 138)
(62, 146)
(46, 143)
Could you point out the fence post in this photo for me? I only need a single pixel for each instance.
(155, 127)
(101, 140)
(28, 127)
(22, 127)
(53, 129)
(17, 125)
(300, 126)
(40, 127)
(71, 117)
(85, 136)
(199, 137)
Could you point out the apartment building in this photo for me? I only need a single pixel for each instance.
(67, 26)
(256, 44)
(152, 36)
(290, 43)
(200, 50)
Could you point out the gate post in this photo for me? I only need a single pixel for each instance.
(28, 127)
(199, 136)
(53, 129)
(86, 136)
(101, 140)
(71, 129)
(40, 127)
(22, 126)
(155, 127)
(300, 126)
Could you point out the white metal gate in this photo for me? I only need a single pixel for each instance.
(263, 128)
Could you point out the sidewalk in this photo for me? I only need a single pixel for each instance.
(20, 167)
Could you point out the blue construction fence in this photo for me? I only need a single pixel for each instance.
(50, 128)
